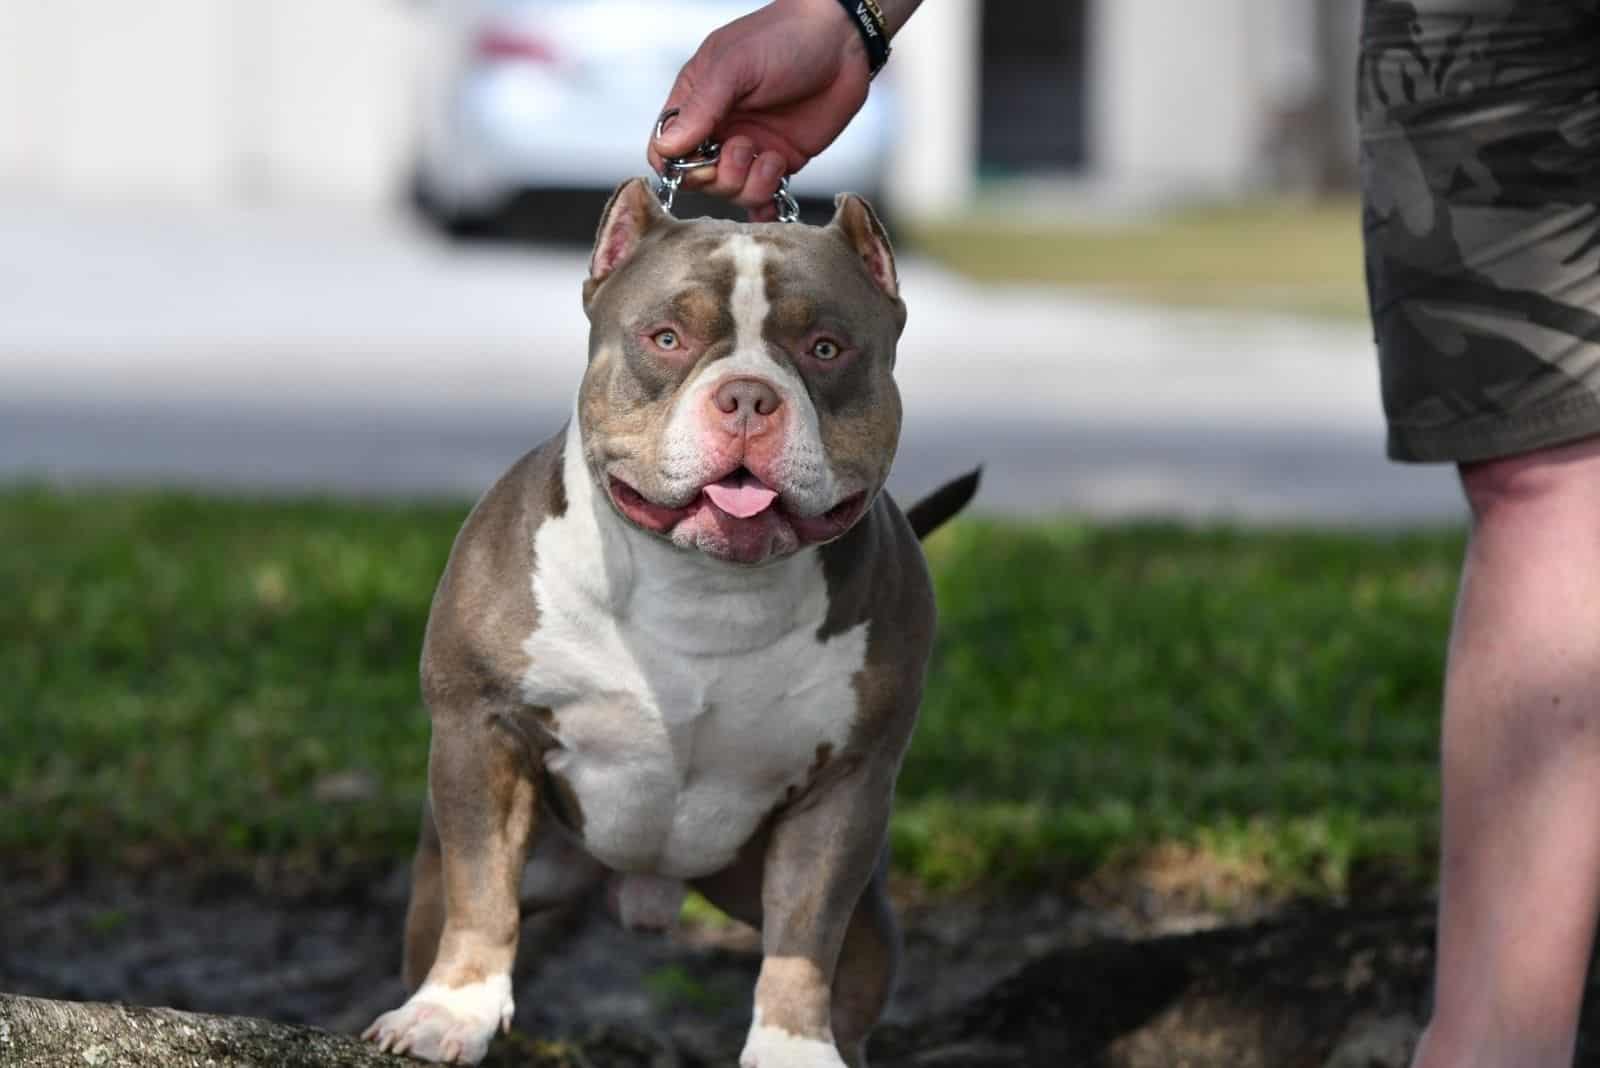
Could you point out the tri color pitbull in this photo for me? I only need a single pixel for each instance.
(683, 642)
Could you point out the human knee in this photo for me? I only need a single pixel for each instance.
(1530, 479)
(1495, 485)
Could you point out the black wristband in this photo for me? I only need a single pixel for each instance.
(868, 18)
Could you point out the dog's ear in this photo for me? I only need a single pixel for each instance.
(855, 220)
(632, 212)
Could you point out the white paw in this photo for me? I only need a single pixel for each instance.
(773, 1047)
(448, 1024)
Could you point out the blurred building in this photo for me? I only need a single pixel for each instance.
(1151, 98)
(207, 99)
(316, 99)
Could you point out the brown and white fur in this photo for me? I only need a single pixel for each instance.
(630, 684)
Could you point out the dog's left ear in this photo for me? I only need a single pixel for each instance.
(855, 220)
(632, 212)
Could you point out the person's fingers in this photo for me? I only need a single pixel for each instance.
(704, 94)
(762, 182)
(767, 212)
(728, 177)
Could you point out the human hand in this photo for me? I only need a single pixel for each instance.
(775, 87)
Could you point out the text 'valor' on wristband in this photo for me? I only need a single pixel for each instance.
(868, 17)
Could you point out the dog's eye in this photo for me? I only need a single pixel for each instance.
(665, 339)
(826, 349)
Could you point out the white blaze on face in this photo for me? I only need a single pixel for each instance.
(803, 469)
(748, 301)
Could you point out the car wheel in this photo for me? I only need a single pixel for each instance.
(440, 217)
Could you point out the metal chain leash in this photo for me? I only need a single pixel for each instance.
(788, 207)
(706, 155)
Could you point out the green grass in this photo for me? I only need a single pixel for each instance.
(1270, 696)
(181, 672)
(673, 987)
(1273, 256)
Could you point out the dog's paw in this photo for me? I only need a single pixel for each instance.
(448, 1024)
(773, 1047)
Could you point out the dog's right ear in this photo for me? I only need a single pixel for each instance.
(632, 212)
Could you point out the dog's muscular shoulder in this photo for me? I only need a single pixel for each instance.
(481, 609)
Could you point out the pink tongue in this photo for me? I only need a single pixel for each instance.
(741, 495)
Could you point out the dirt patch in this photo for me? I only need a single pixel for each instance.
(326, 951)
(1039, 980)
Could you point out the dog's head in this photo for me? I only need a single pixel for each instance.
(739, 398)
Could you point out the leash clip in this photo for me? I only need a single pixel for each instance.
(788, 207)
(706, 154)
(675, 167)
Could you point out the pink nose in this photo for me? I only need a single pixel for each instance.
(746, 397)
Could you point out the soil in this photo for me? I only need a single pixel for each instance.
(1042, 979)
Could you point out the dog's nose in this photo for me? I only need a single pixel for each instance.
(746, 397)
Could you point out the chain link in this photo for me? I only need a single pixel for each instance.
(706, 154)
(788, 207)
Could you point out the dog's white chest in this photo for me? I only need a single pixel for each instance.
(688, 696)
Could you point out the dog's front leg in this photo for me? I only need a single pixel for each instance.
(482, 792)
(820, 856)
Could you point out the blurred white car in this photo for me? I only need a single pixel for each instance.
(524, 96)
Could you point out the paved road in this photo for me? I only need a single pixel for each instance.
(293, 351)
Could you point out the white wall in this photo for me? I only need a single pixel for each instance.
(1180, 93)
(112, 93)
(935, 70)
(333, 104)
(206, 99)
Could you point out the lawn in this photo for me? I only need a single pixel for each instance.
(189, 674)
(1261, 255)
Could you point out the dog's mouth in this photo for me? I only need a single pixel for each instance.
(740, 503)
(643, 511)
(832, 523)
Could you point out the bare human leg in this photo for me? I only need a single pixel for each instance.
(1520, 859)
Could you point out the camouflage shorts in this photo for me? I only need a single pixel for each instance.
(1480, 175)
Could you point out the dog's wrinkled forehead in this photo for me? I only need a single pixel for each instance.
(647, 262)
(712, 277)
(686, 275)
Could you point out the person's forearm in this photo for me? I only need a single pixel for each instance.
(897, 12)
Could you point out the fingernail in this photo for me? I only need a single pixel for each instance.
(666, 125)
(742, 155)
(770, 165)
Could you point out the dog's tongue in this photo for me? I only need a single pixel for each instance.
(741, 495)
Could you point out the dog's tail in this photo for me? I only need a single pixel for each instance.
(934, 510)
